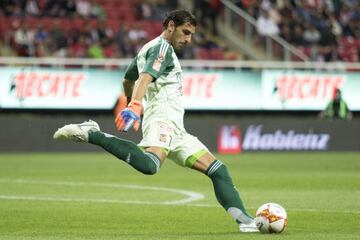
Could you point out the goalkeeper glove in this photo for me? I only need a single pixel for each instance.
(129, 117)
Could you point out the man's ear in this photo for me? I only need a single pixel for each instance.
(171, 26)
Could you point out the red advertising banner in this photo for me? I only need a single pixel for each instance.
(58, 88)
(52, 88)
(308, 86)
(48, 84)
(200, 85)
(306, 90)
(229, 139)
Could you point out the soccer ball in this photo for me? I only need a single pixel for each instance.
(271, 218)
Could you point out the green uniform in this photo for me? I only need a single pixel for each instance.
(162, 123)
(163, 127)
(337, 109)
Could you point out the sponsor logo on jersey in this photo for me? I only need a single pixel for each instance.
(163, 138)
(157, 63)
(166, 128)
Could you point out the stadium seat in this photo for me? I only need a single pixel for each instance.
(202, 53)
(216, 54)
(348, 49)
(113, 24)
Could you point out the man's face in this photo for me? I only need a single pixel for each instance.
(181, 35)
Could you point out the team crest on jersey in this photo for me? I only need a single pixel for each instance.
(163, 138)
(157, 63)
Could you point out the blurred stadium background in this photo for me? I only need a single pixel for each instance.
(256, 78)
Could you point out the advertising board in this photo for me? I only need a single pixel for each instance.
(52, 88)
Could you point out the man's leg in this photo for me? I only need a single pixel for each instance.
(225, 191)
(147, 162)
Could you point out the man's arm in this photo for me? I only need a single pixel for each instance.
(348, 112)
(328, 111)
(156, 63)
(140, 86)
(128, 86)
(130, 116)
(131, 75)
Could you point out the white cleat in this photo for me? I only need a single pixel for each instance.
(248, 228)
(76, 132)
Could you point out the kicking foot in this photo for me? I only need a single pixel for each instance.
(248, 228)
(76, 132)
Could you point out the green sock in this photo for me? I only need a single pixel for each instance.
(145, 162)
(226, 193)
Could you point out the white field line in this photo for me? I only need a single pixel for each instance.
(191, 196)
(87, 200)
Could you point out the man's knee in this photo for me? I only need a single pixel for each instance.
(152, 164)
(151, 170)
(202, 163)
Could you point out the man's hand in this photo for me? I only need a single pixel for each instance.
(129, 117)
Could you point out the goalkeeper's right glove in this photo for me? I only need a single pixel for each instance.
(129, 117)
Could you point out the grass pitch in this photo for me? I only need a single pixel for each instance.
(95, 196)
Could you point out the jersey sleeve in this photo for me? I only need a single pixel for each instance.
(132, 73)
(158, 58)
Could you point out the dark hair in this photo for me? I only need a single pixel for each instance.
(179, 17)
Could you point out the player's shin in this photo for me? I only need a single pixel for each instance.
(127, 151)
(226, 192)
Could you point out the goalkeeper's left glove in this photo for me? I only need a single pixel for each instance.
(129, 117)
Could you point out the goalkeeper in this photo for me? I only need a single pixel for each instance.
(154, 76)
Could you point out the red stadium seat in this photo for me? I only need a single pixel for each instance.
(113, 24)
(202, 53)
(347, 41)
(217, 54)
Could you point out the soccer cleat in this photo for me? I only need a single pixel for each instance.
(76, 132)
(248, 228)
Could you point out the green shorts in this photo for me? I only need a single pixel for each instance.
(183, 148)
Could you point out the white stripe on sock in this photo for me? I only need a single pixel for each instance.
(214, 164)
(214, 167)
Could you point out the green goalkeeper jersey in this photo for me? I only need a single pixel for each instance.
(162, 100)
